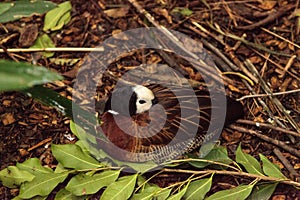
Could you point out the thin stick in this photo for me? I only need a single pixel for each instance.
(55, 49)
(268, 126)
(245, 174)
(284, 39)
(286, 163)
(40, 144)
(268, 139)
(274, 99)
(266, 95)
(273, 16)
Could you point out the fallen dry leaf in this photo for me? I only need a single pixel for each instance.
(117, 12)
(267, 4)
(8, 118)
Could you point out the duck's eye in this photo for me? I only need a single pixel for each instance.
(142, 101)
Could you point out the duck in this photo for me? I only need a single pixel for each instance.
(159, 123)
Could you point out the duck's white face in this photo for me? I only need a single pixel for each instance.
(145, 98)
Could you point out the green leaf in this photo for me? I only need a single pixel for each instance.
(263, 192)
(83, 184)
(60, 168)
(18, 9)
(183, 11)
(217, 154)
(71, 156)
(163, 194)
(240, 192)
(64, 194)
(271, 169)
(146, 193)
(198, 189)
(121, 189)
(44, 41)
(186, 12)
(33, 165)
(56, 18)
(12, 176)
(41, 185)
(21, 75)
(249, 162)
(5, 7)
(179, 195)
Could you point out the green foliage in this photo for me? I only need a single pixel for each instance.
(198, 189)
(263, 191)
(249, 162)
(12, 176)
(121, 189)
(218, 154)
(183, 11)
(271, 169)
(21, 75)
(179, 194)
(56, 18)
(41, 185)
(42, 42)
(82, 184)
(87, 177)
(239, 192)
(71, 156)
(11, 11)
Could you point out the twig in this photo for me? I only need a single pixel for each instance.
(276, 64)
(40, 144)
(195, 59)
(281, 11)
(286, 163)
(244, 69)
(269, 126)
(223, 172)
(284, 39)
(274, 99)
(266, 138)
(246, 42)
(266, 95)
(55, 49)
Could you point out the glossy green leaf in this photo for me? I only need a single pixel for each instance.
(41, 185)
(44, 41)
(21, 75)
(198, 189)
(25, 8)
(163, 194)
(64, 194)
(217, 154)
(240, 192)
(146, 193)
(33, 165)
(56, 18)
(263, 192)
(178, 195)
(271, 169)
(83, 184)
(249, 162)
(71, 156)
(5, 7)
(12, 176)
(121, 189)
